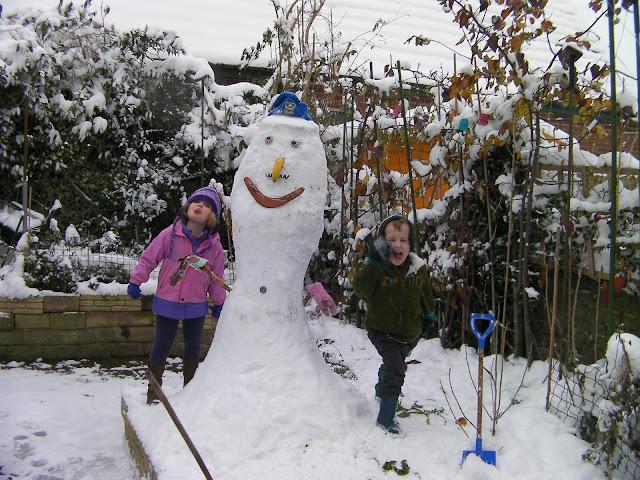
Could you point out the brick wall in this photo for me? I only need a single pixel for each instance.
(82, 326)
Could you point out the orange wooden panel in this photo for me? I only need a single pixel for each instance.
(394, 157)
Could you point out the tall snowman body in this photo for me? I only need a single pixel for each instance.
(264, 376)
(277, 206)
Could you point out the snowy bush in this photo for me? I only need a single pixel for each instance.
(113, 120)
(602, 402)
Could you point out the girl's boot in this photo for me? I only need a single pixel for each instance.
(189, 367)
(387, 413)
(156, 369)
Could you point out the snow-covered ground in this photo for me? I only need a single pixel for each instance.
(63, 421)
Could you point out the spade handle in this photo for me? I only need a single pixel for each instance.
(482, 336)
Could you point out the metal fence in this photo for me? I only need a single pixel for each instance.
(95, 263)
(581, 400)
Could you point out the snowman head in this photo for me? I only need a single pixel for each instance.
(285, 162)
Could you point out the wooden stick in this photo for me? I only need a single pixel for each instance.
(156, 386)
(203, 267)
(215, 277)
(554, 313)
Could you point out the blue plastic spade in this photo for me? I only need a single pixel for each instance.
(487, 456)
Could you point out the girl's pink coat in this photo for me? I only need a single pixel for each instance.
(195, 284)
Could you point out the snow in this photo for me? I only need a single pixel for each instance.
(63, 421)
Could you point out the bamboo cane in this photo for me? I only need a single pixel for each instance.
(553, 314)
(613, 180)
(378, 162)
(407, 143)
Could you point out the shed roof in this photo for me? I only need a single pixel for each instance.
(220, 30)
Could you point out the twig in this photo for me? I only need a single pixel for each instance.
(457, 402)
(450, 409)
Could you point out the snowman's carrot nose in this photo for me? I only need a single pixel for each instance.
(276, 169)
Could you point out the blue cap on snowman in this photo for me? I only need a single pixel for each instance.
(289, 105)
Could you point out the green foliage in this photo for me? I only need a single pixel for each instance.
(390, 466)
(59, 265)
(107, 116)
(46, 272)
(417, 409)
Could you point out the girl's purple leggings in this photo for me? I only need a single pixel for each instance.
(166, 329)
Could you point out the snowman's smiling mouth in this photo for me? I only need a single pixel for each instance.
(270, 202)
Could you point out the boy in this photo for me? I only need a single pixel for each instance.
(396, 286)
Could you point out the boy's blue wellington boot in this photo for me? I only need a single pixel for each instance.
(387, 414)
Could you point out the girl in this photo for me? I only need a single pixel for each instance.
(194, 231)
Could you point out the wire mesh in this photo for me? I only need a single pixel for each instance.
(577, 398)
(94, 262)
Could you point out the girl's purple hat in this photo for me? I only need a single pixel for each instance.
(209, 195)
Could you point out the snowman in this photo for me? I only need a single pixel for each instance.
(264, 375)
(277, 206)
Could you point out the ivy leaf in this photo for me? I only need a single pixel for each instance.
(388, 466)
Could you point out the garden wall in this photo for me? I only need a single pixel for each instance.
(82, 326)
(68, 327)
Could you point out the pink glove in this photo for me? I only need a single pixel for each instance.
(324, 301)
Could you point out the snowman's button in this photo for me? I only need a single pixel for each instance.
(263, 289)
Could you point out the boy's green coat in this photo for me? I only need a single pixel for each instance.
(395, 305)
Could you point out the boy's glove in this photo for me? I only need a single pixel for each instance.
(133, 291)
(377, 250)
(427, 321)
(215, 311)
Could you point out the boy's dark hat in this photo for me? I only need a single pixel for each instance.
(392, 218)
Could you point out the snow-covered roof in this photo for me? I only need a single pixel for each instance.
(11, 216)
(220, 31)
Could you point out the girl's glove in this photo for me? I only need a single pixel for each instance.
(133, 291)
(377, 250)
(215, 311)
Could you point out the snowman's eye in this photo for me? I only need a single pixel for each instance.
(268, 140)
(295, 144)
